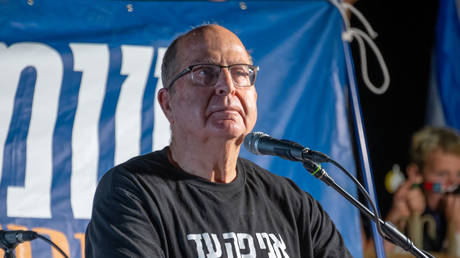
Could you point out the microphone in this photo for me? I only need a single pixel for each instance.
(11, 238)
(262, 144)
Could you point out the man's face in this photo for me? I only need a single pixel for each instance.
(220, 111)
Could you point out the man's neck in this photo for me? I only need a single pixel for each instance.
(211, 160)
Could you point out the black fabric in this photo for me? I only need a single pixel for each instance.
(146, 207)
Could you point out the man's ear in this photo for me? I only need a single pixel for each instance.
(414, 173)
(164, 98)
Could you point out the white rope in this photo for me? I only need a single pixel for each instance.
(361, 18)
(361, 37)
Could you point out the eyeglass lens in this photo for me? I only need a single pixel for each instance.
(207, 75)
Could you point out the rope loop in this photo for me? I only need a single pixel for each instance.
(362, 37)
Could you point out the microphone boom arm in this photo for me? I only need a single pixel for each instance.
(392, 233)
(262, 144)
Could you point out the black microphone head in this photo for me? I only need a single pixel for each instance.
(251, 140)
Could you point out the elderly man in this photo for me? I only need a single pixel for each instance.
(196, 198)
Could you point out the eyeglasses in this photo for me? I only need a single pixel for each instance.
(207, 75)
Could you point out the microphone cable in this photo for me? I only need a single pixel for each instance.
(399, 238)
(261, 143)
(53, 245)
(10, 239)
(365, 194)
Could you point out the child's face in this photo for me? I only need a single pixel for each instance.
(443, 168)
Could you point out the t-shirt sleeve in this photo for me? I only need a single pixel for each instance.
(318, 226)
(120, 226)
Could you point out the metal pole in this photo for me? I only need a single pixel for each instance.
(362, 144)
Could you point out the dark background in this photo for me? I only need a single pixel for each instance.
(406, 39)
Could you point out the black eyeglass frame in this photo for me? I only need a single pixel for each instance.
(255, 68)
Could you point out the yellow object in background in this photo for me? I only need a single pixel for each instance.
(393, 179)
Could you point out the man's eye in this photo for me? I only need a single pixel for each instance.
(241, 72)
(205, 75)
(204, 71)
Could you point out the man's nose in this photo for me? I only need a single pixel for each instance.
(224, 85)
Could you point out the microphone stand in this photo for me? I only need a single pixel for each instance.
(9, 241)
(9, 250)
(392, 233)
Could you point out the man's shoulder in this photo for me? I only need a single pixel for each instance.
(152, 164)
(149, 161)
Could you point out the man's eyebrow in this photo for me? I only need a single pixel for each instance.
(204, 61)
(213, 61)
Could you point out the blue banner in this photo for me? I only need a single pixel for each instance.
(78, 96)
(447, 67)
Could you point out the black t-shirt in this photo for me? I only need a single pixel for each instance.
(146, 207)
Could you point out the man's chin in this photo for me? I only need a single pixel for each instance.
(228, 130)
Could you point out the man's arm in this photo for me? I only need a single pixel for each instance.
(326, 239)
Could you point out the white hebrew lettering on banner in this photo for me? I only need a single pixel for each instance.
(10, 81)
(33, 199)
(93, 61)
(161, 132)
(136, 63)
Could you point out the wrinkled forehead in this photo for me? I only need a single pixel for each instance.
(212, 45)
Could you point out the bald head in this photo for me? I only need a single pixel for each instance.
(211, 36)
